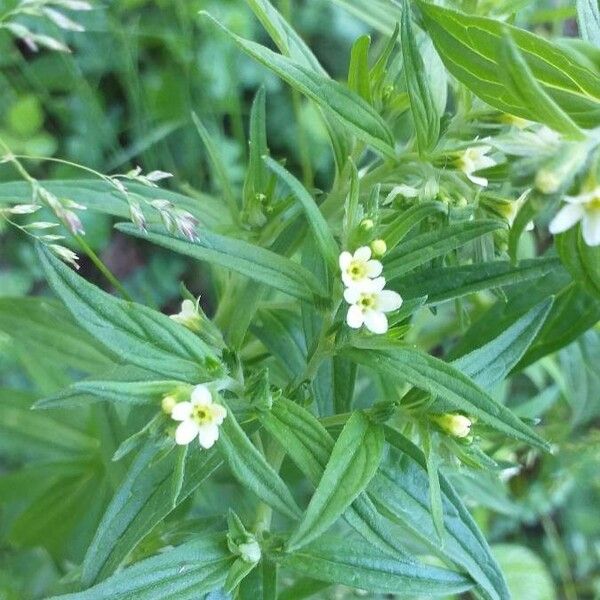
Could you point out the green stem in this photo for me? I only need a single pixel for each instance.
(103, 268)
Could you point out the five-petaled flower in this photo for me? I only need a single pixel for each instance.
(369, 303)
(475, 159)
(200, 417)
(359, 268)
(585, 208)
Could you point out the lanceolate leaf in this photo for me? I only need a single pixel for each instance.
(239, 256)
(355, 563)
(352, 464)
(426, 246)
(353, 112)
(309, 445)
(439, 378)
(422, 105)
(137, 334)
(588, 18)
(394, 232)
(446, 283)
(186, 573)
(144, 499)
(471, 49)
(253, 472)
(320, 228)
(401, 487)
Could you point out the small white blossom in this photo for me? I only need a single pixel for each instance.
(475, 159)
(406, 191)
(358, 269)
(200, 417)
(585, 208)
(189, 315)
(368, 305)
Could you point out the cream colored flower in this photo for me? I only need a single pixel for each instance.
(189, 316)
(200, 417)
(358, 269)
(368, 305)
(585, 208)
(475, 159)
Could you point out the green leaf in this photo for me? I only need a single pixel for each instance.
(440, 378)
(257, 175)
(352, 111)
(471, 48)
(581, 260)
(247, 259)
(446, 283)
(588, 18)
(318, 224)
(186, 573)
(219, 166)
(424, 247)
(394, 232)
(355, 563)
(33, 322)
(137, 334)
(353, 462)
(358, 71)
(122, 385)
(252, 470)
(422, 105)
(401, 490)
(144, 498)
(521, 82)
(309, 445)
(492, 362)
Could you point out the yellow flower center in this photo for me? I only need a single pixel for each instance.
(202, 414)
(593, 205)
(357, 270)
(366, 301)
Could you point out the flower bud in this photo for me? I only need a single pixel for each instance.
(379, 247)
(168, 404)
(367, 224)
(250, 551)
(454, 424)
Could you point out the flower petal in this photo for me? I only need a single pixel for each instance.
(374, 268)
(219, 413)
(181, 411)
(566, 217)
(482, 181)
(376, 321)
(201, 395)
(352, 294)
(188, 308)
(388, 300)
(186, 432)
(484, 162)
(344, 260)
(363, 254)
(355, 317)
(590, 228)
(208, 435)
(376, 285)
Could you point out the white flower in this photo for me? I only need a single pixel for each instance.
(189, 316)
(455, 424)
(200, 417)
(358, 269)
(585, 208)
(406, 191)
(474, 159)
(368, 305)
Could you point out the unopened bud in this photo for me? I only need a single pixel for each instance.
(168, 404)
(379, 247)
(367, 224)
(250, 551)
(547, 181)
(454, 424)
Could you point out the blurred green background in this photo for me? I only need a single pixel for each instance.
(124, 97)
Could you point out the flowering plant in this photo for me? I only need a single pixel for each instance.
(355, 376)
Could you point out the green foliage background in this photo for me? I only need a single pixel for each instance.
(125, 96)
